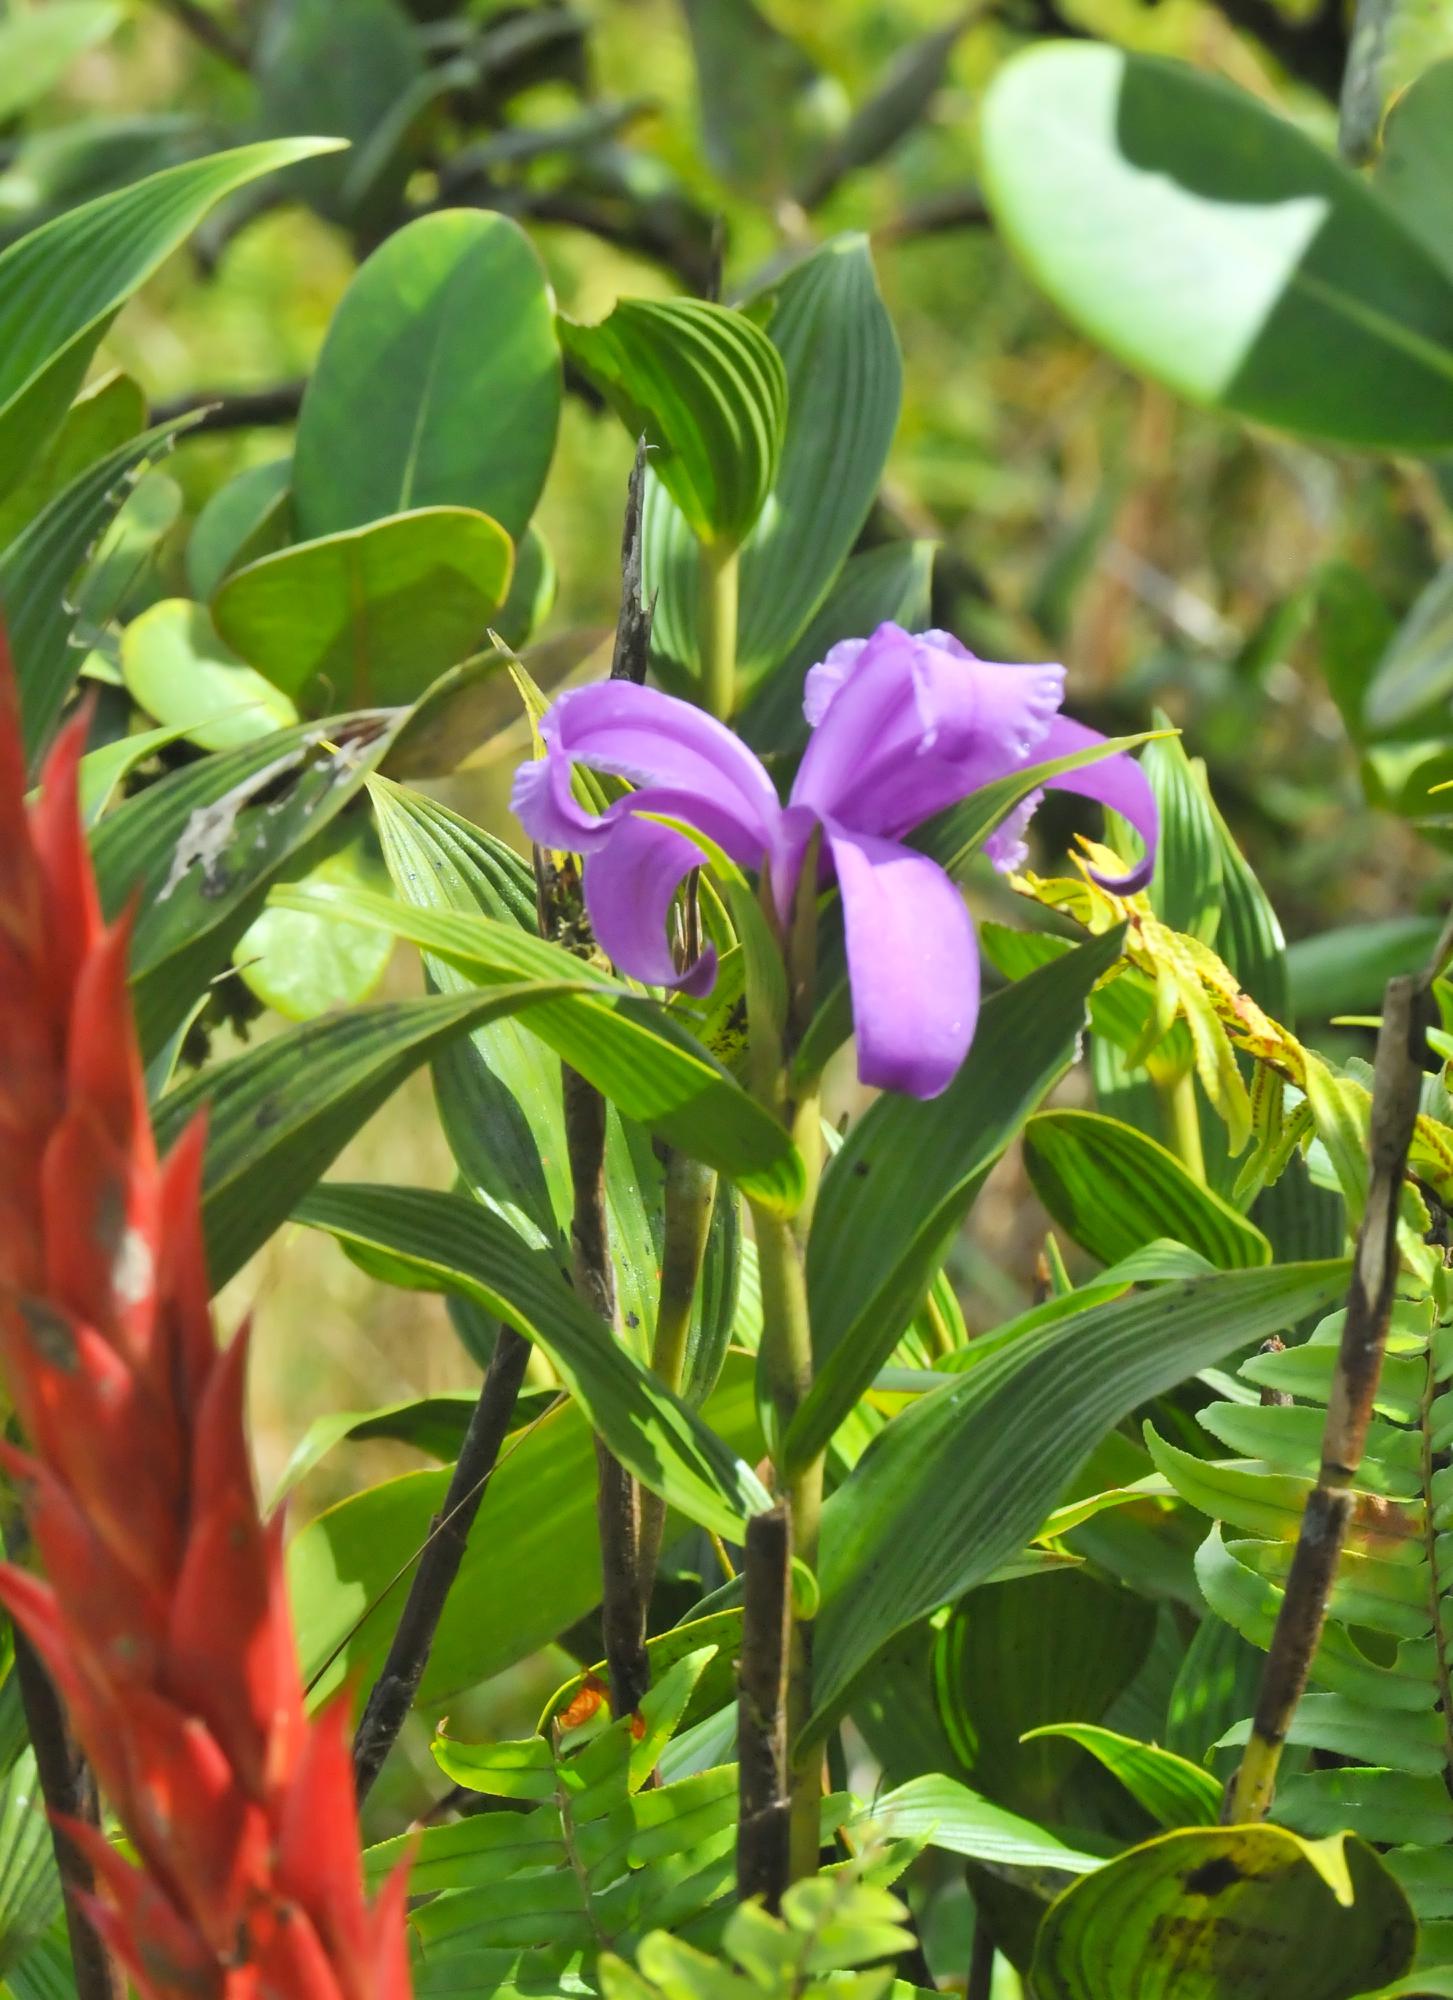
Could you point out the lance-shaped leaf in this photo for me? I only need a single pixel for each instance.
(844, 385)
(903, 1180)
(279, 1114)
(707, 389)
(452, 313)
(969, 1472)
(944, 1813)
(62, 284)
(1415, 168)
(374, 614)
(1214, 246)
(1256, 1914)
(1113, 1190)
(629, 1048)
(448, 1243)
(1171, 1788)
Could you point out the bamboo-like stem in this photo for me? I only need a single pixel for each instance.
(393, 1692)
(69, 1790)
(764, 1818)
(1396, 1084)
(1182, 1117)
(716, 621)
(689, 1198)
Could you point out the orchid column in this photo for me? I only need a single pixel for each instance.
(902, 727)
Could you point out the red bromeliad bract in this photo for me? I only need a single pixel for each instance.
(164, 1622)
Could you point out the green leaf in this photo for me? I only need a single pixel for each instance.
(434, 1424)
(629, 1048)
(1211, 244)
(179, 671)
(944, 1813)
(1393, 44)
(1256, 1914)
(900, 1185)
(967, 1473)
(62, 284)
(1343, 971)
(244, 519)
(102, 770)
(844, 385)
(1171, 1789)
(38, 571)
(38, 46)
(536, 1550)
(453, 313)
(1416, 670)
(30, 1889)
(1415, 168)
(1113, 1190)
(708, 391)
(371, 615)
(450, 1244)
(304, 966)
(106, 415)
(766, 108)
(199, 848)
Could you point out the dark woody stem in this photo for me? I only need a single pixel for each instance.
(1396, 1084)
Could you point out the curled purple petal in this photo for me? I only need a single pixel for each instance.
(1117, 782)
(630, 884)
(913, 964)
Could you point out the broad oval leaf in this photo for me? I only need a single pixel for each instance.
(61, 285)
(901, 1183)
(1113, 1190)
(1212, 244)
(707, 389)
(452, 314)
(178, 670)
(1257, 1914)
(451, 1244)
(245, 518)
(373, 614)
(968, 1473)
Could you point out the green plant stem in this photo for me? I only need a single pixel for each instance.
(716, 617)
(690, 1196)
(1183, 1121)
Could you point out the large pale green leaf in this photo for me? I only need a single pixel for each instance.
(901, 1183)
(708, 391)
(449, 1243)
(372, 614)
(37, 574)
(438, 384)
(1212, 244)
(844, 384)
(304, 966)
(531, 1570)
(1113, 1190)
(1256, 1914)
(181, 673)
(61, 285)
(629, 1048)
(281, 1112)
(968, 1473)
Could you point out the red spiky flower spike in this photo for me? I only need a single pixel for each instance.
(164, 1619)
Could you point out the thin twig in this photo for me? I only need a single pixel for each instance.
(69, 1790)
(206, 30)
(234, 409)
(393, 1692)
(765, 1823)
(1396, 1086)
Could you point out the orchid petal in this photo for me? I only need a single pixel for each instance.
(650, 739)
(630, 884)
(913, 963)
(1117, 782)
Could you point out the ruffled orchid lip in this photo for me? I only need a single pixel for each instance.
(903, 726)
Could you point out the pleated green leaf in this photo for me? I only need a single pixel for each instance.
(968, 1473)
(1113, 1190)
(1171, 1789)
(1213, 245)
(941, 1812)
(1257, 1914)
(62, 284)
(450, 1244)
(629, 1048)
(901, 1183)
(451, 314)
(708, 391)
(844, 386)
(280, 1113)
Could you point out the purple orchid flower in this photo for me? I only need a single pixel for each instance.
(903, 726)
